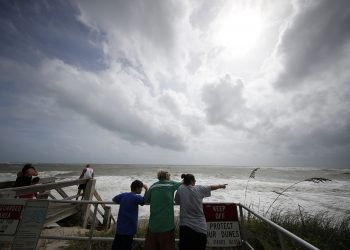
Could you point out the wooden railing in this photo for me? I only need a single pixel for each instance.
(63, 191)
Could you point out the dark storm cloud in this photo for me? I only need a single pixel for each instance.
(32, 30)
(147, 80)
(48, 59)
(315, 40)
(102, 101)
(326, 145)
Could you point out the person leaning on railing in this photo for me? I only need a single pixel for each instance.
(87, 173)
(128, 215)
(24, 177)
(161, 227)
(193, 226)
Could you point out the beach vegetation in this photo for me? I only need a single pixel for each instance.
(321, 230)
(251, 176)
(279, 193)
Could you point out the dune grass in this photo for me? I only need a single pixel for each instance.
(321, 230)
(313, 180)
(251, 176)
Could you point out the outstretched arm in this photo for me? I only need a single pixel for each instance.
(214, 187)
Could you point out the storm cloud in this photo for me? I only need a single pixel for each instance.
(225, 82)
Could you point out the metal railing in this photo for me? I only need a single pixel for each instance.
(280, 231)
(90, 238)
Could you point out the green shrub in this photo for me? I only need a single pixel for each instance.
(323, 231)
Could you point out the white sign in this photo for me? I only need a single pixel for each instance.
(10, 215)
(31, 224)
(222, 225)
(222, 234)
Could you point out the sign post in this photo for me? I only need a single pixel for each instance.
(222, 225)
(29, 229)
(21, 222)
(10, 216)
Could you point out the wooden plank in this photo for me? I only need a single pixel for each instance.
(107, 218)
(61, 192)
(57, 213)
(9, 184)
(44, 187)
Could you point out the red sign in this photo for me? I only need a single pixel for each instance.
(222, 224)
(220, 212)
(12, 212)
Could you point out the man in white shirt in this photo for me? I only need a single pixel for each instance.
(87, 173)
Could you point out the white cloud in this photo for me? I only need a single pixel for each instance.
(169, 92)
(225, 103)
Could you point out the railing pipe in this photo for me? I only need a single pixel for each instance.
(85, 238)
(243, 232)
(92, 226)
(83, 202)
(281, 229)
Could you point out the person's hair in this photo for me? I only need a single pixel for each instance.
(35, 180)
(136, 184)
(87, 165)
(188, 178)
(26, 167)
(163, 175)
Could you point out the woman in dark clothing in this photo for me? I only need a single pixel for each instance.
(24, 177)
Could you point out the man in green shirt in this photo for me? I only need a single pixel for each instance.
(161, 227)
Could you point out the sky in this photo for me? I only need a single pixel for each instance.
(243, 83)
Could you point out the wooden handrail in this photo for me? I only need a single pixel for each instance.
(10, 184)
(60, 193)
(43, 187)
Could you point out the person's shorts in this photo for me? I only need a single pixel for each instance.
(160, 241)
(82, 186)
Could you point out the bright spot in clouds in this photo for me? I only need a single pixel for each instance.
(237, 30)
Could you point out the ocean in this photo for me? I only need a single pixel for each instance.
(330, 197)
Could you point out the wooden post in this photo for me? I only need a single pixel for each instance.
(107, 218)
(88, 195)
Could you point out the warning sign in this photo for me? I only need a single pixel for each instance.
(10, 215)
(21, 222)
(30, 226)
(222, 224)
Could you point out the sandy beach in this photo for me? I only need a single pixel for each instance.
(59, 231)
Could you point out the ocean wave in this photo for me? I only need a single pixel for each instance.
(257, 192)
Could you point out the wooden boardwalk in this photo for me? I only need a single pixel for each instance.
(64, 191)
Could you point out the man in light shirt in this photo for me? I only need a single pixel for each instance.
(87, 173)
